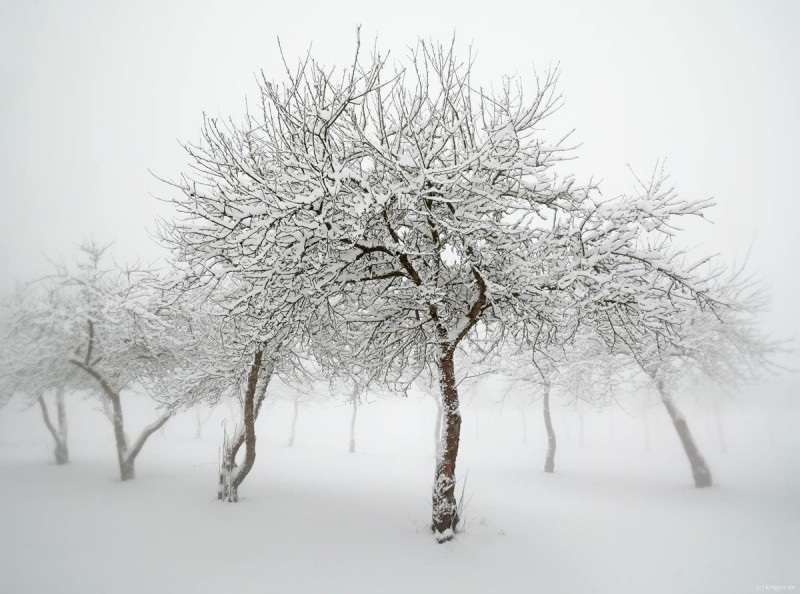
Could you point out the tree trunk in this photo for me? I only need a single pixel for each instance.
(294, 423)
(125, 458)
(127, 467)
(127, 470)
(445, 509)
(59, 432)
(228, 467)
(352, 448)
(550, 458)
(700, 471)
(231, 475)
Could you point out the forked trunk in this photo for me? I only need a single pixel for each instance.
(445, 509)
(550, 458)
(700, 471)
(125, 458)
(127, 465)
(127, 470)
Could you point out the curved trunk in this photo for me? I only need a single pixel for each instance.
(231, 475)
(700, 470)
(550, 458)
(125, 469)
(125, 458)
(445, 510)
(130, 458)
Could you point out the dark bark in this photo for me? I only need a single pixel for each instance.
(249, 423)
(232, 475)
(700, 470)
(550, 458)
(445, 509)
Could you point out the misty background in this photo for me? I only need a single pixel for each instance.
(97, 98)
(95, 94)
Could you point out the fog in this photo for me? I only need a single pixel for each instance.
(97, 99)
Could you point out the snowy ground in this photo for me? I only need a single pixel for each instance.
(616, 517)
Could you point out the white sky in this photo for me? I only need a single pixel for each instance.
(93, 94)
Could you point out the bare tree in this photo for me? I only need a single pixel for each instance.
(33, 358)
(410, 209)
(112, 317)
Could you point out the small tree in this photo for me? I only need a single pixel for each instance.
(32, 360)
(725, 345)
(111, 317)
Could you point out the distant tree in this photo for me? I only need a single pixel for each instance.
(119, 338)
(725, 345)
(32, 361)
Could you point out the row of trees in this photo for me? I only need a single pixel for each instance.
(377, 224)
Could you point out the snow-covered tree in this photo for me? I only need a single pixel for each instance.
(32, 361)
(227, 360)
(410, 207)
(725, 345)
(254, 316)
(118, 338)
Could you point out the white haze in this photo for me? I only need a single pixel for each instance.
(95, 95)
